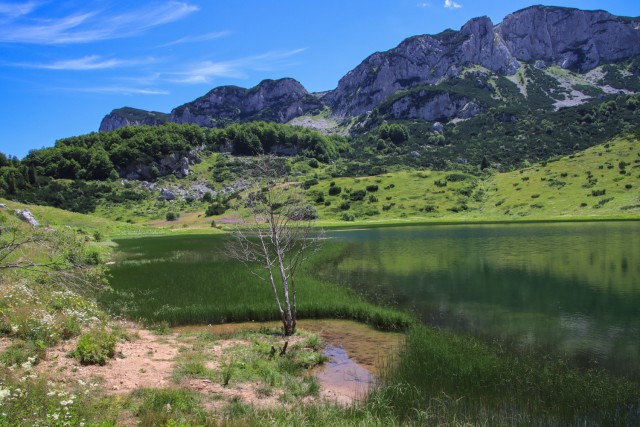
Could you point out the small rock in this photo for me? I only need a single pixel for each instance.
(27, 216)
(415, 154)
(167, 194)
(437, 127)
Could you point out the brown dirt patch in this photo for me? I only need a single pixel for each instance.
(143, 362)
(149, 362)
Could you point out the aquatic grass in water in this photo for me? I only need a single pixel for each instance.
(189, 280)
(440, 374)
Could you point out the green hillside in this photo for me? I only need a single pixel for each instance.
(600, 182)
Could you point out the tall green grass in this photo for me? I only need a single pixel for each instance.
(189, 280)
(445, 377)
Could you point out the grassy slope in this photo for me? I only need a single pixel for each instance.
(568, 187)
(559, 189)
(47, 215)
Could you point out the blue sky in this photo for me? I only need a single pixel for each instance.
(66, 64)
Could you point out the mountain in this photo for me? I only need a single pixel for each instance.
(528, 48)
(128, 116)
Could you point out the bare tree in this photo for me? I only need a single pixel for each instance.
(277, 235)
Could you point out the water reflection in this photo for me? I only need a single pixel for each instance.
(572, 288)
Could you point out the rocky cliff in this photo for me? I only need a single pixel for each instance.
(570, 38)
(573, 39)
(271, 100)
(128, 116)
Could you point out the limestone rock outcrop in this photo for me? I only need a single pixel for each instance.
(128, 116)
(271, 100)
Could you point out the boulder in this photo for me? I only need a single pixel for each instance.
(167, 194)
(26, 216)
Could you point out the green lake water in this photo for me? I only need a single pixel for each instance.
(566, 288)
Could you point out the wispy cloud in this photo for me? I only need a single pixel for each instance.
(87, 26)
(205, 71)
(451, 4)
(424, 5)
(14, 10)
(88, 63)
(119, 90)
(195, 39)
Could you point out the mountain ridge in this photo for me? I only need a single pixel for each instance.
(548, 36)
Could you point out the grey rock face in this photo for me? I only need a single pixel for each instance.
(574, 39)
(571, 38)
(26, 216)
(419, 60)
(131, 117)
(431, 106)
(172, 163)
(273, 100)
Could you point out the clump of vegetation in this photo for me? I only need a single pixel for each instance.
(95, 347)
(172, 216)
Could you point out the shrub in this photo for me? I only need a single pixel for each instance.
(372, 198)
(440, 183)
(172, 216)
(372, 188)
(344, 206)
(213, 224)
(207, 198)
(596, 193)
(95, 347)
(310, 183)
(628, 186)
(348, 216)
(313, 163)
(305, 213)
(357, 195)
(334, 190)
(456, 177)
(216, 208)
(430, 208)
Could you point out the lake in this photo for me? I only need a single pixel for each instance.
(566, 288)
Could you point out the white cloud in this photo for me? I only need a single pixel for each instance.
(89, 26)
(451, 4)
(195, 39)
(14, 10)
(119, 90)
(424, 5)
(88, 63)
(204, 72)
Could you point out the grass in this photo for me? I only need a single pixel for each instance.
(449, 377)
(196, 283)
(600, 182)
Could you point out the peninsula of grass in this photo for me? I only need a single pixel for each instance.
(183, 280)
